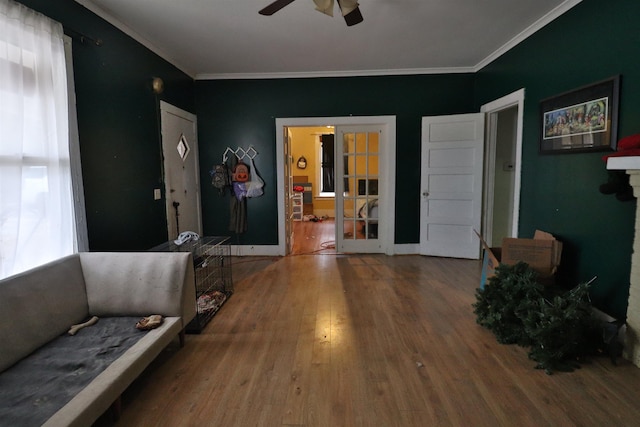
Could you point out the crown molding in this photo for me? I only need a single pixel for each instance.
(344, 73)
(533, 28)
(526, 33)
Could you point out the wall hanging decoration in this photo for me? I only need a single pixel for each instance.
(246, 181)
(220, 177)
(240, 153)
(302, 163)
(581, 120)
(254, 186)
(240, 172)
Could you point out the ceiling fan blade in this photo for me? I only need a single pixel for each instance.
(275, 6)
(351, 12)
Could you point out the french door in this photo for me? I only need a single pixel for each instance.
(359, 189)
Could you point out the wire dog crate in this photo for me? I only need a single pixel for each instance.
(212, 268)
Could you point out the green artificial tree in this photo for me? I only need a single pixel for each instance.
(502, 304)
(560, 329)
(563, 330)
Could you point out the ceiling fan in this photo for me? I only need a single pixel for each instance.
(349, 9)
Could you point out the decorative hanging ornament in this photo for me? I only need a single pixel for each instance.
(302, 163)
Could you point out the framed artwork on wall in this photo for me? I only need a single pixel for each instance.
(581, 120)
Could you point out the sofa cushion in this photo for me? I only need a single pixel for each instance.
(55, 373)
(38, 305)
(98, 396)
(137, 283)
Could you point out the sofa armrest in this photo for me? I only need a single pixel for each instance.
(140, 284)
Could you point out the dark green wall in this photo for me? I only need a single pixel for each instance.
(242, 112)
(593, 41)
(118, 124)
(118, 127)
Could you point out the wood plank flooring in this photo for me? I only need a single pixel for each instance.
(314, 237)
(365, 340)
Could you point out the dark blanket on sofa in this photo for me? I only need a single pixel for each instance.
(37, 387)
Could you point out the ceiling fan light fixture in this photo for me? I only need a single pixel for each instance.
(354, 17)
(349, 8)
(350, 11)
(324, 6)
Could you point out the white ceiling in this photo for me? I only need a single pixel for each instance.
(229, 39)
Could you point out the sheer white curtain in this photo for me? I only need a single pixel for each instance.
(36, 203)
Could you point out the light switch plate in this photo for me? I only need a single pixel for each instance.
(156, 194)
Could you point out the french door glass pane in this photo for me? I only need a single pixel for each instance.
(361, 160)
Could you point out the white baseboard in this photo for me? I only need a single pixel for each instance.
(255, 250)
(274, 250)
(407, 249)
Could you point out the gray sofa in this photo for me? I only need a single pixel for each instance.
(38, 307)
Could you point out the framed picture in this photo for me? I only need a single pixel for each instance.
(584, 119)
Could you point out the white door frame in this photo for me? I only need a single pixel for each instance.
(389, 158)
(165, 107)
(491, 109)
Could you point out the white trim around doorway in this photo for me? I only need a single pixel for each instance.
(389, 159)
(514, 99)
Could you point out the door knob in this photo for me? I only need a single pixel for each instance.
(425, 193)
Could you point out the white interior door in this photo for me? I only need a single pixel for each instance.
(288, 190)
(359, 189)
(451, 185)
(181, 170)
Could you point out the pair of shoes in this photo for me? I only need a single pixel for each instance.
(186, 236)
(149, 322)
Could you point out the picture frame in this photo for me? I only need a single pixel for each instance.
(581, 120)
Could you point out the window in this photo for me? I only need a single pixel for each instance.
(37, 220)
(327, 156)
(327, 167)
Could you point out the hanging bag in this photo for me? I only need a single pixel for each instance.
(220, 177)
(254, 186)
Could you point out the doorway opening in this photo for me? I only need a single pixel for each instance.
(471, 167)
(287, 164)
(312, 176)
(503, 165)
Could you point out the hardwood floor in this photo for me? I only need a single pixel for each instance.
(314, 237)
(337, 340)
